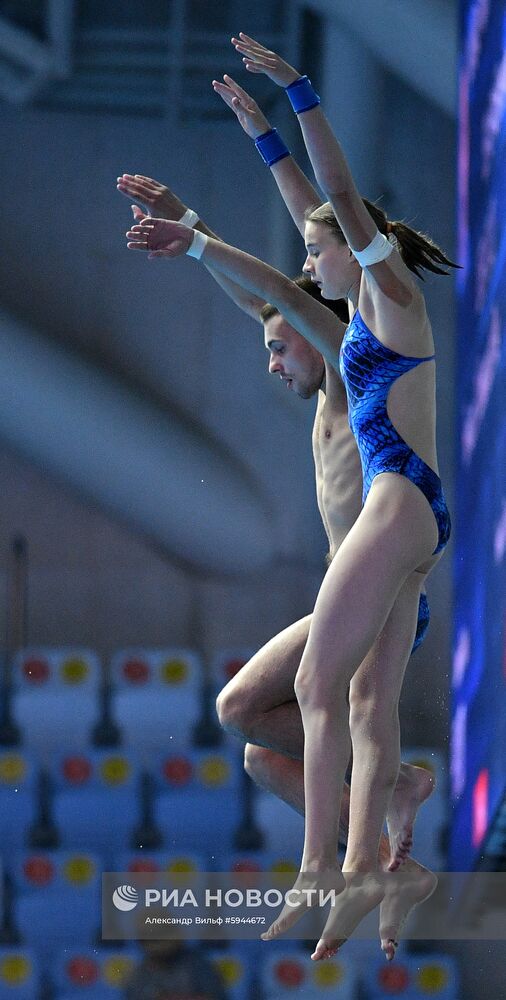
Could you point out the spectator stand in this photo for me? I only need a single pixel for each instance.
(236, 970)
(18, 799)
(155, 696)
(96, 803)
(94, 973)
(412, 977)
(162, 861)
(56, 899)
(198, 801)
(55, 699)
(282, 828)
(290, 974)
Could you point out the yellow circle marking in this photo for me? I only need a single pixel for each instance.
(432, 978)
(284, 866)
(174, 672)
(12, 768)
(214, 771)
(328, 974)
(79, 869)
(117, 969)
(181, 865)
(74, 670)
(15, 969)
(115, 770)
(230, 970)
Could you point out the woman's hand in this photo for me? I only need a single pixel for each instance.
(246, 109)
(258, 59)
(160, 237)
(157, 199)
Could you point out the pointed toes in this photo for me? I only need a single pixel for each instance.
(389, 946)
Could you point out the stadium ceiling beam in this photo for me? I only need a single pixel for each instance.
(26, 62)
(152, 468)
(416, 39)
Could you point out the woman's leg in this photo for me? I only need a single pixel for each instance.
(374, 727)
(355, 600)
(360, 588)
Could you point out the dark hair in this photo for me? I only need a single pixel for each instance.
(416, 249)
(338, 306)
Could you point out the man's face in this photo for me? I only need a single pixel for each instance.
(291, 357)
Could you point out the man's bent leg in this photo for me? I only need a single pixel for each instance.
(259, 703)
(284, 777)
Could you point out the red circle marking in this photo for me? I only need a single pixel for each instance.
(246, 866)
(177, 770)
(38, 870)
(394, 979)
(289, 973)
(82, 970)
(136, 671)
(143, 865)
(76, 770)
(36, 670)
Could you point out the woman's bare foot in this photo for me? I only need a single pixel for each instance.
(414, 785)
(307, 884)
(362, 893)
(403, 891)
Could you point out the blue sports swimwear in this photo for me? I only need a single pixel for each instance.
(368, 370)
(422, 623)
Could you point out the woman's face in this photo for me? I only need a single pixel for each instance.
(329, 262)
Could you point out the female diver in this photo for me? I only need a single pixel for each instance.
(386, 359)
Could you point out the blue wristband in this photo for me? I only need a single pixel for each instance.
(271, 147)
(302, 95)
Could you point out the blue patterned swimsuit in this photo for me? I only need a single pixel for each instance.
(423, 621)
(368, 370)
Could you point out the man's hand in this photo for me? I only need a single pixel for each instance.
(138, 214)
(258, 59)
(248, 113)
(157, 199)
(160, 237)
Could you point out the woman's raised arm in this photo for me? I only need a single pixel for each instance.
(296, 190)
(330, 167)
(327, 158)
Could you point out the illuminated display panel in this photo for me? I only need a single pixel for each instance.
(478, 743)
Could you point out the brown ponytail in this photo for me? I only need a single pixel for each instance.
(417, 251)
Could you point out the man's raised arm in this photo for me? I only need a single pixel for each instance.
(314, 321)
(159, 201)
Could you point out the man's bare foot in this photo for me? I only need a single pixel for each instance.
(307, 885)
(414, 785)
(363, 892)
(403, 891)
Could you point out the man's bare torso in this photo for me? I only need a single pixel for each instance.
(337, 462)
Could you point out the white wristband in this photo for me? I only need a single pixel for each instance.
(197, 246)
(379, 249)
(189, 218)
